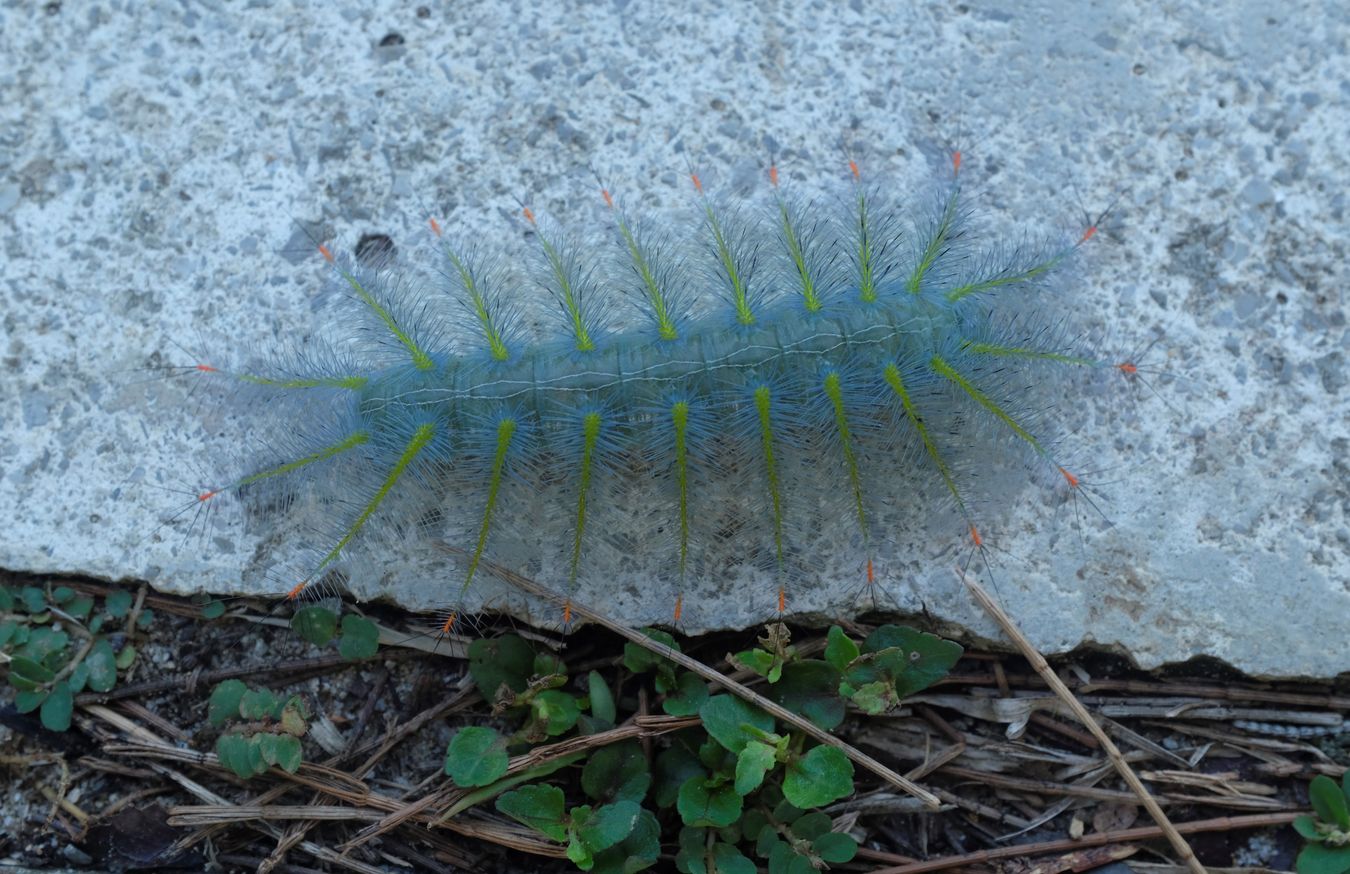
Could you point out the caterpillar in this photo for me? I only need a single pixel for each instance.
(722, 403)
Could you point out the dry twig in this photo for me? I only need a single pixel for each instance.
(1038, 663)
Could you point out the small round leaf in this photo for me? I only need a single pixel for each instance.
(317, 625)
(224, 703)
(476, 756)
(538, 806)
(360, 637)
(821, 776)
(58, 707)
(102, 666)
(726, 717)
(699, 803)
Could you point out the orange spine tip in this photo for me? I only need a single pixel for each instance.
(975, 536)
(1088, 234)
(528, 213)
(326, 253)
(567, 613)
(208, 495)
(206, 368)
(679, 607)
(435, 226)
(698, 186)
(295, 593)
(1069, 478)
(609, 201)
(1127, 367)
(773, 175)
(956, 162)
(449, 624)
(871, 573)
(782, 600)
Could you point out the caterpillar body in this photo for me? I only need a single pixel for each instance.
(806, 379)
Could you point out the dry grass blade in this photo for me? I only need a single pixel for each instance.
(1144, 833)
(1037, 661)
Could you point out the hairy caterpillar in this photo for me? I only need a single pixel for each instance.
(772, 384)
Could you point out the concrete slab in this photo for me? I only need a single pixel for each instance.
(156, 159)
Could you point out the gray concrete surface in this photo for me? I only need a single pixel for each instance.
(156, 158)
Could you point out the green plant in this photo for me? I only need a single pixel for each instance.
(359, 638)
(56, 644)
(736, 787)
(266, 729)
(1328, 833)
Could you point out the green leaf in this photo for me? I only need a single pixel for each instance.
(811, 688)
(708, 802)
(118, 604)
(926, 658)
(785, 860)
(811, 825)
(673, 767)
(80, 607)
(95, 625)
(756, 660)
(1329, 802)
(62, 594)
(317, 625)
(637, 659)
(821, 776)
(577, 852)
(79, 677)
(30, 670)
(602, 700)
(1306, 826)
(102, 666)
(213, 609)
(476, 756)
(730, 860)
(538, 806)
(145, 619)
(753, 761)
(224, 703)
(835, 847)
(556, 711)
(500, 661)
(6, 599)
(1321, 859)
(547, 664)
(689, 695)
(240, 755)
(34, 599)
(58, 707)
(44, 642)
(360, 637)
(8, 628)
(725, 718)
(840, 650)
(126, 657)
(618, 772)
(258, 704)
(874, 698)
(279, 749)
(638, 851)
(22, 683)
(29, 700)
(606, 825)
